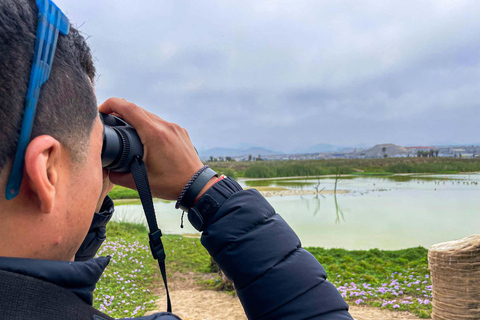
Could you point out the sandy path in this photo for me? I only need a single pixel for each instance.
(198, 304)
(370, 313)
(191, 302)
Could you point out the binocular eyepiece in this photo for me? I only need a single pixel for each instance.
(121, 144)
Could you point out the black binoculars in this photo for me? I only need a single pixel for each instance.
(121, 144)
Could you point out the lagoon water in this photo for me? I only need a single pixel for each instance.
(387, 212)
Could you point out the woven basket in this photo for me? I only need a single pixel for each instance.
(455, 272)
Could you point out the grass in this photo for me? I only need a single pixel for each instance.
(375, 174)
(122, 202)
(186, 254)
(119, 192)
(126, 289)
(396, 280)
(273, 169)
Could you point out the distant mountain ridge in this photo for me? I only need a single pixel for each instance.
(255, 151)
(326, 148)
(230, 152)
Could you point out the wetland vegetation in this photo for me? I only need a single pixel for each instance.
(273, 169)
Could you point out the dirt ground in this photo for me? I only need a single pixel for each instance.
(370, 313)
(191, 302)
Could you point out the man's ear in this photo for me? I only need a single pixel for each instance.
(42, 164)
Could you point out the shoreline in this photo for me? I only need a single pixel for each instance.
(360, 174)
(290, 192)
(268, 192)
(281, 191)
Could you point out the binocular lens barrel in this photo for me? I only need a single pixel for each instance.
(121, 144)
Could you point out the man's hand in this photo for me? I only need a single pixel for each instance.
(169, 154)
(106, 188)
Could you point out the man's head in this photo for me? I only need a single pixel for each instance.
(63, 175)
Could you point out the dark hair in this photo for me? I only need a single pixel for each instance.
(67, 105)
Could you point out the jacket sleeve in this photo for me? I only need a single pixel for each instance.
(274, 276)
(97, 232)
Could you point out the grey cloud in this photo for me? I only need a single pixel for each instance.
(287, 74)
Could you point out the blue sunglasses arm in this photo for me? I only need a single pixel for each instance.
(51, 22)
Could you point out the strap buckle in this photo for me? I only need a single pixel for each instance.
(156, 245)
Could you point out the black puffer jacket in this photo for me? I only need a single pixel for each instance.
(275, 278)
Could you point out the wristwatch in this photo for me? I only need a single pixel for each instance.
(207, 206)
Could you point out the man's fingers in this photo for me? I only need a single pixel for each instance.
(129, 111)
(133, 114)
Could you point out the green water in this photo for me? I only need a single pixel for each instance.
(387, 212)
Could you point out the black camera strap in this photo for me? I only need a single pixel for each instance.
(140, 177)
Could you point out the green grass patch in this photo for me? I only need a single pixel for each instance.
(212, 284)
(372, 174)
(395, 280)
(126, 287)
(123, 202)
(293, 168)
(185, 254)
(119, 192)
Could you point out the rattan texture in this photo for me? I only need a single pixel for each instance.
(455, 272)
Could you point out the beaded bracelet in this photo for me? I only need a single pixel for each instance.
(187, 186)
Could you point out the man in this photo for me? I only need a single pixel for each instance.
(49, 232)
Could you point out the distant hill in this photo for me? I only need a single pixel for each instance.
(390, 150)
(323, 148)
(227, 152)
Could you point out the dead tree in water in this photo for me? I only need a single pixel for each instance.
(317, 186)
(337, 209)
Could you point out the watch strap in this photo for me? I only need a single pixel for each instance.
(208, 205)
(191, 194)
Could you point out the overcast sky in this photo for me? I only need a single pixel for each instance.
(291, 74)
